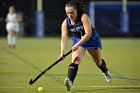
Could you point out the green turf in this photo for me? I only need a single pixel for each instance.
(32, 55)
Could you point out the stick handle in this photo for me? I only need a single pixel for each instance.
(48, 68)
(68, 53)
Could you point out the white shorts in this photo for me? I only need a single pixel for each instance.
(12, 26)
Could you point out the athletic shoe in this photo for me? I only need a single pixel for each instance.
(107, 77)
(68, 84)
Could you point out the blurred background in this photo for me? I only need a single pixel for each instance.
(38, 46)
(42, 18)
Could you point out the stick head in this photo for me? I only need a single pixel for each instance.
(31, 82)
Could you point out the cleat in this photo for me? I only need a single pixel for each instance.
(68, 84)
(107, 77)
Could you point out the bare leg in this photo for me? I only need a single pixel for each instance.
(76, 60)
(14, 35)
(73, 67)
(77, 55)
(96, 55)
(11, 38)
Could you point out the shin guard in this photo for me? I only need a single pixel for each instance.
(103, 66)
(72, 71)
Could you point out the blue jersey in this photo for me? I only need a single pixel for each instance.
(78, 32)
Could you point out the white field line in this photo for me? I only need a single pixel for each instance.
(11, 87)
(107, 86)
(138, 87)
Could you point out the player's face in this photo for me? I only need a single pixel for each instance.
(71, 12)
(11, 10)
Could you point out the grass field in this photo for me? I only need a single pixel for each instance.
(32, 55)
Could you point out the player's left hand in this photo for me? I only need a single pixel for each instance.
(75, 47)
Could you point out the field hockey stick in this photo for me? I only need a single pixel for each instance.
(48, 68)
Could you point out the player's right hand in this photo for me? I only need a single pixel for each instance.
(61, 56)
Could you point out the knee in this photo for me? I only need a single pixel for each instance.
(76, 60)
(98, 61)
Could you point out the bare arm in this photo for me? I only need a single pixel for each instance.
(19, 17)
(64, 37)
(88, 31)
(15, 20)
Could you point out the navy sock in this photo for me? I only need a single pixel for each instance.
(103, 66)
(72, 71)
